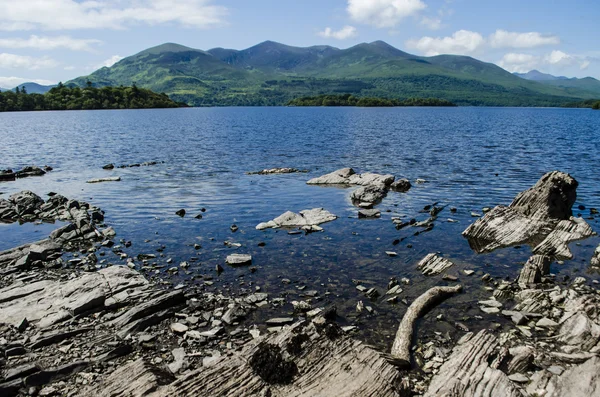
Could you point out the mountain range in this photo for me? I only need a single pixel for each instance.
(271, 73)
(573, 83)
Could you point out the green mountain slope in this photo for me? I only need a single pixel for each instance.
(572, 85)
(271, 73)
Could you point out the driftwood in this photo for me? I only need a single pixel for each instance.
(403, 341)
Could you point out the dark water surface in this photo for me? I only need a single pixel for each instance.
(471, 158)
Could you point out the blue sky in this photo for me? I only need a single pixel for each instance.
(55, 40)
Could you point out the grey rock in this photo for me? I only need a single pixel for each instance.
(279, 321)
(238, 259)
(107, 179)
(369, 213)
(312, 217)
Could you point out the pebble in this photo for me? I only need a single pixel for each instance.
(468, 272)
(278, 321)
(179, 328)
(519, 378)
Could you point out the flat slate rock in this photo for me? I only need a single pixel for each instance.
(108, 179)
(315, 365)
(48, 302)
(238, 259)
(347, 176)
(470, 371)
(534, 217)
(432, 264)
(312, 217)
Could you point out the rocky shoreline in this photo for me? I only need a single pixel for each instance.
(85, 327)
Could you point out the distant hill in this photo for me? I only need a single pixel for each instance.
(272, 73)
(536, 75)
(34, 88)
(572, 85)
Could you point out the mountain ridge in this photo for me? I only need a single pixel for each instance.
(588, 84)
(271, 73)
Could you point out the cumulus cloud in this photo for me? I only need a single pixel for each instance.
(50, 43)
(10, 82)
(107, 14)
(522, 63)
(344, 33)
(585, 64)
(110, 61)
(12, 61)
(557, 57)
(504, 39)
(431, 23)
(383, 13)
(466, 42)
(519, 63)
(461, 42)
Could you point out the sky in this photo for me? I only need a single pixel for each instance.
(47, 41)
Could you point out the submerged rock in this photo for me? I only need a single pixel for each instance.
(271, 171)
(108, 179)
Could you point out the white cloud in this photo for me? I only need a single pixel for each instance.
(10, 82)
(50, 43)
(585, 64)
(522, 63)
(559, 58)
(504, 39)
(12, 61)
(519, 63)
(431, 23)
(110, 61)
(342, 34)
(466, 42)
(107, 14)
(461, 42)
(383, 13)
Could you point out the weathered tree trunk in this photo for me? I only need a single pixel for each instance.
(404, 336)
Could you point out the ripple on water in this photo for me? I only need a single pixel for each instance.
(471, 158)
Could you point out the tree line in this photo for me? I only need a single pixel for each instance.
(62, 97)
(351, 100)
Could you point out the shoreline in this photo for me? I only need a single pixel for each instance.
(545, 341)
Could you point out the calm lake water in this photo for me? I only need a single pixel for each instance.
(471, 158)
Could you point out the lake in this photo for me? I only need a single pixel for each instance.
(470, 157)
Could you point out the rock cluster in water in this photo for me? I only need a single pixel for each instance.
(10, 175)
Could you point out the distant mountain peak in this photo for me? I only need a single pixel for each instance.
(167, 47)
(536, 75)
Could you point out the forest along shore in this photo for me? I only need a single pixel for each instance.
(83, 327)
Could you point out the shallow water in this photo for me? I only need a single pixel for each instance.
(470, 157)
